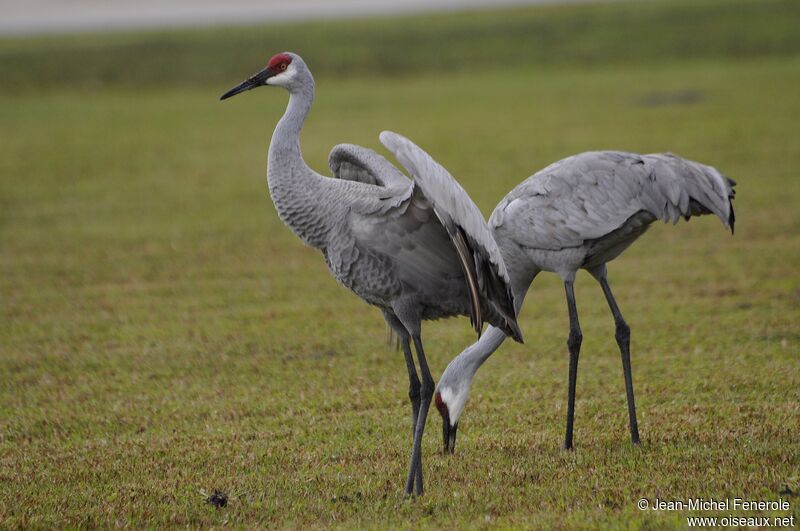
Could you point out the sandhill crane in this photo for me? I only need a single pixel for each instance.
(580, 213)
(417, 250)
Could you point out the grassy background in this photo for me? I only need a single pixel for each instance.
(162, 334)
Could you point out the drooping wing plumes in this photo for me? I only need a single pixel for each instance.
(478, 253)
(590, 195)
(686, 188)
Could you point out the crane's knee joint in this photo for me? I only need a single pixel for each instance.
(413, 391)
(623, 332)
(428, 385)
(575, 339)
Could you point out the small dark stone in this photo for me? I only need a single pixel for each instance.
(786, 491)
(218, 499)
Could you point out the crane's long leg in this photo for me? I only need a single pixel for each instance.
(623, 336)
(413, 384)
(413, 380)
(415, 468)
(413, 395)
(574, 345)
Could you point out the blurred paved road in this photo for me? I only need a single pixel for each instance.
(62, 16)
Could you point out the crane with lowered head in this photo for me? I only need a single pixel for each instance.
(580, 213)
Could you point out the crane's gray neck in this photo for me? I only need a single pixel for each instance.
(297, 191)
(476, 354)
(286, 138)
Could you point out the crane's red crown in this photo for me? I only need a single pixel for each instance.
(279, 62)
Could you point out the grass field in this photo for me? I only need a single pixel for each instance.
(163, 335)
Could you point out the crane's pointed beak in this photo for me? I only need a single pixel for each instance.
(449, 436)
(254, 81)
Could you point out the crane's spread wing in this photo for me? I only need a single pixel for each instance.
(466, 227)
(387, 188)
(590, 195)
(355, 163)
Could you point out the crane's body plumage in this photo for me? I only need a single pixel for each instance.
(580, 213)
(417, 249)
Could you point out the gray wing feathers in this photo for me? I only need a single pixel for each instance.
(444, 193)
(478, 252)
(471, 273)
(355, 163)
(387, 187)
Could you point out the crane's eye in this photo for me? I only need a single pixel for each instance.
(283, 66)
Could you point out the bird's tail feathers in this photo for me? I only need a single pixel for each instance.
(687, 188)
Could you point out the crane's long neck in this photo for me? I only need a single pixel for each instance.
(457, 378)
(297, 191)
(477, 353)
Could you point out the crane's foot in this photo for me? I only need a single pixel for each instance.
(417, 490)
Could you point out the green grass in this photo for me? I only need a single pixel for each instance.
(162, 334)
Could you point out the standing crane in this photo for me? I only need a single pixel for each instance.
(418, 250)
(580, 213)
